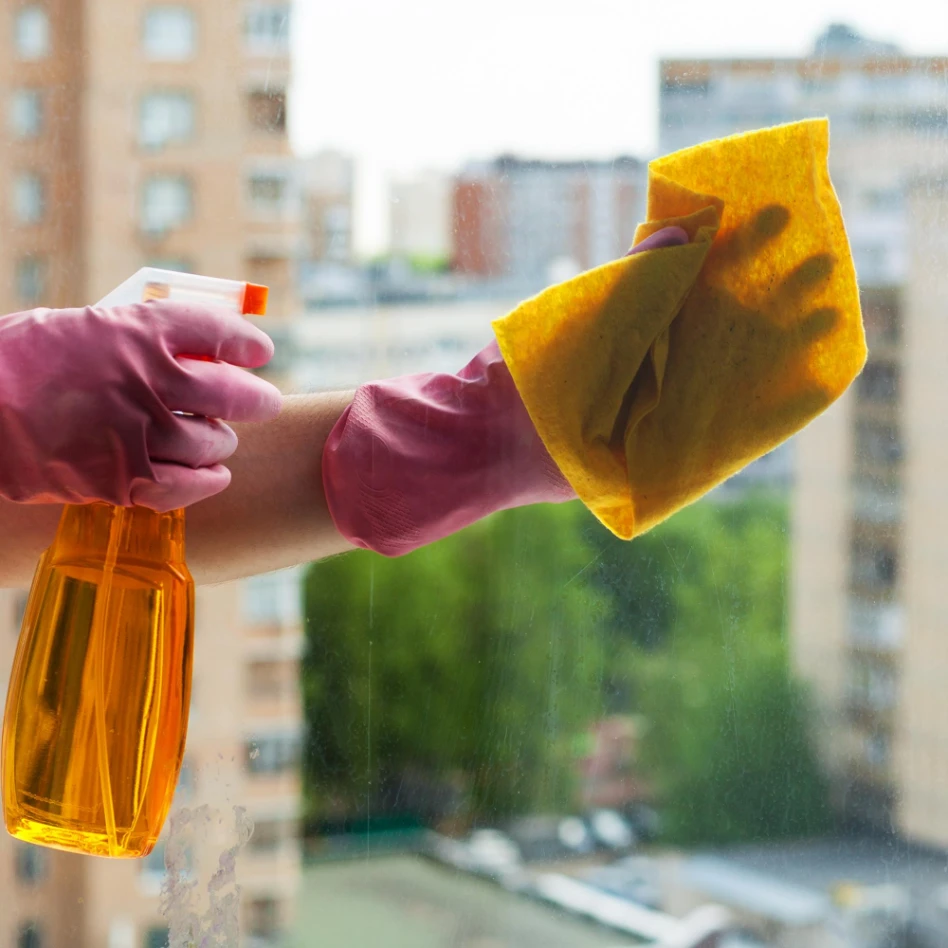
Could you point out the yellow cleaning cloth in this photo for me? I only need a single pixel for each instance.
(654, 378)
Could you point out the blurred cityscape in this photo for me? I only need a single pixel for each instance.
(135, 135)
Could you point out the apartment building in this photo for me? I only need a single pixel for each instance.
(139, 132)
(870, 516)
(534, 222)
(420, 216)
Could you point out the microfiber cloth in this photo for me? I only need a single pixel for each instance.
(654, 378)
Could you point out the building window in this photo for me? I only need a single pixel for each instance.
(267, 110)
(878, 443)
(874, 568)
(156, 937)
(26, 113)
(31, 33)
(263, 917)
(154, 863)
(165, 118)
(30, 282)
(167, 202)
(178, 264)
(30, 864)
(29, 936)
(187, 782)
(266, 836)
(170, 33)
(270, 679)
(273, 598)
(267, 29)
(273, 754)
(879, 382)
(268, 191)
(28, 197)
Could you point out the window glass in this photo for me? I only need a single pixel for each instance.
(31, 864)
(156, 937)
(31, 32)
(28, 197)
(30, 282)
(26, 113)
(165, 118)
(272, 599)
(273, 753)
(29, 936)
(263, 917)
(267, 28)
(170, 33)
(271, 192)
(167, 202)
(529, 733)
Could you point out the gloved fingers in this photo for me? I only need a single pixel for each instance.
(666, 237)
(175, 486)
(192, 441)
(218, 390)
(211, 331)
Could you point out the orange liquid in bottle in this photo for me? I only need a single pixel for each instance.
(97, 711)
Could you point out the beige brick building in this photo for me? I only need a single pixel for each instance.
(144, 132)
(870, 522)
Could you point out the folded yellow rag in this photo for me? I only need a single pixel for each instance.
(654, 378)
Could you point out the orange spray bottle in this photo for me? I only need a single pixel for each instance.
(97, 710)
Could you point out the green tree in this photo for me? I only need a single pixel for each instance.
(479, 655)
(728, 746)
(700, 622)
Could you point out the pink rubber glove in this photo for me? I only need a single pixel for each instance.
(88, 400)
(417, 458)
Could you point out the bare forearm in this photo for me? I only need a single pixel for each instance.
(273, 514)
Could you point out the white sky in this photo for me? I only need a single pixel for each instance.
(411, 84)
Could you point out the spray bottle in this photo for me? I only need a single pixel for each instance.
(97, 710)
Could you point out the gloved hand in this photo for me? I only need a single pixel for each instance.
(88, 400)
(417, 458)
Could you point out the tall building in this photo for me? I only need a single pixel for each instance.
(533, 222)
(870, 517)
(328, 184)
(420, 216)
(149, 133)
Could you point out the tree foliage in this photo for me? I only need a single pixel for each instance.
(481, 658)
(476, 656)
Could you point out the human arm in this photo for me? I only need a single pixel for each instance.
(272, 515)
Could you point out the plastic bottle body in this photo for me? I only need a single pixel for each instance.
(97, 711)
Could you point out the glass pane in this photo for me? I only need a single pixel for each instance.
(31, 32)
(26, 113)
(167, 203)
(169, 33)
(30, 281)
(166, 118)
(267, 28)
(28, 197)
(726, 733)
